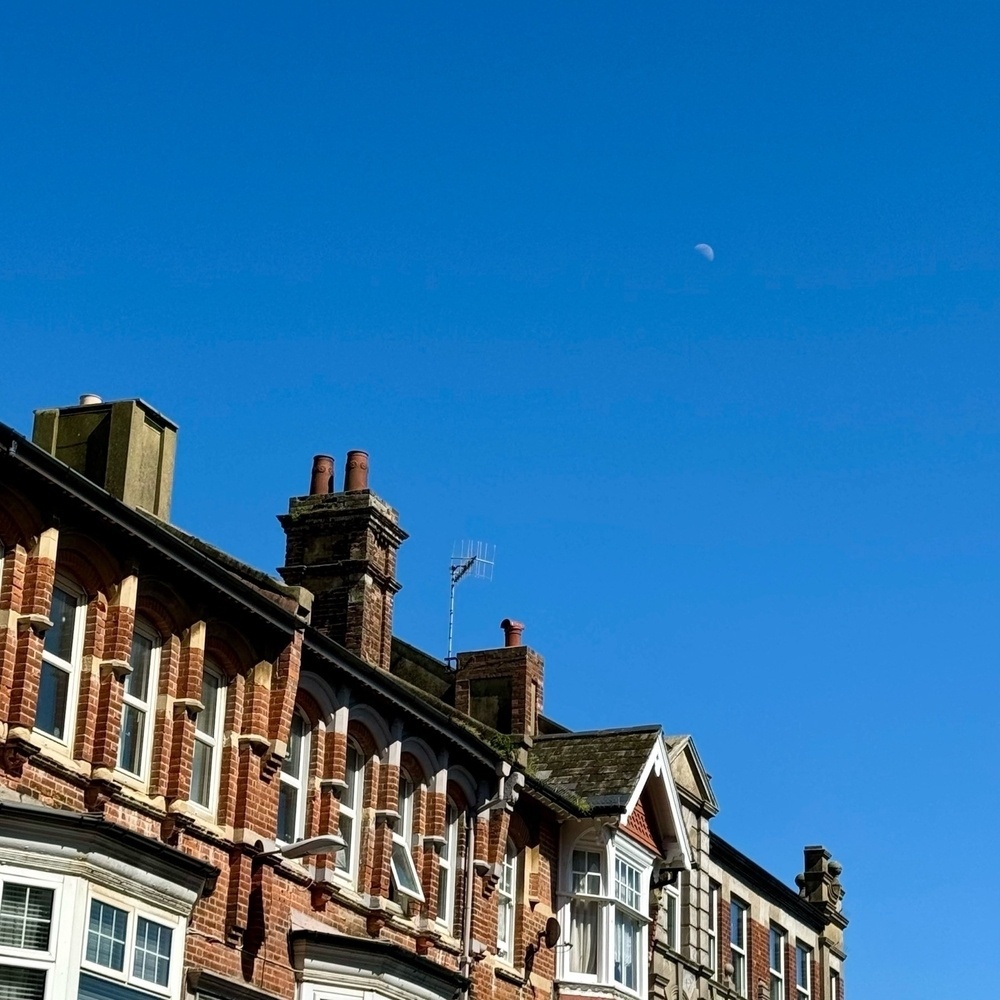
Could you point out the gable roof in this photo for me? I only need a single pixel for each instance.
(597, 770)
(694, 783)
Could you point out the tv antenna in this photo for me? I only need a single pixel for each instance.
(472, 559)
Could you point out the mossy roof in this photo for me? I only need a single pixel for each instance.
(598, 770)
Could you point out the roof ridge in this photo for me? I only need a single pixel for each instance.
(580, 733)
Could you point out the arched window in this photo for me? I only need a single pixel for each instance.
(207, 761)
(507, 905)
(351, 800)
(62, 656)
(447, 861)
(294, 781)
(405, 879)
(138, 702)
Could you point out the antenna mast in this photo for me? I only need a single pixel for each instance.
(476, 558)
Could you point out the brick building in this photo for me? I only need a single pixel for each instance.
(225, 786)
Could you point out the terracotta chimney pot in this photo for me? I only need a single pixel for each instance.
(512, 632)
(356, 471)
(322, 475)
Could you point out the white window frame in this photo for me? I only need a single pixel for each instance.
(834, 984)
(72, 667)
(402, 836)
(587, 846)
(777, 946)
(35, 958)
(147, 707)
(133, 913)
(507, 890)
(213, 741)
(738, 911)
(448, 867)
(298, 783)
(351, 800)
(672, 893)
(629, 898)
(613, 848)
(712, 927)
(803, 990)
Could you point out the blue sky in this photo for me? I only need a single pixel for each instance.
(754, 499)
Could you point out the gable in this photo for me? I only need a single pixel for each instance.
(690, 776)
(641, 824)
(654, 810)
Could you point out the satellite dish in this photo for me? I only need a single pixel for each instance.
(552, 932)
(705, 250)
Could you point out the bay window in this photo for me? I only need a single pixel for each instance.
(605, 911)
(61, 936)
(62, 655)
(27, 942)
(125, 944)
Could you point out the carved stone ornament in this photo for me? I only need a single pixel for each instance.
(120, 668)
(190, 707)
(14, 754)
(38, 624)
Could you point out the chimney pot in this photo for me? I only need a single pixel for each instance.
(322, 475)
(512, 632)
(356, 471)
(90, 399)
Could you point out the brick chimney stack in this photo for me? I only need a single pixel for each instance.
(502, 687)
(342, 547)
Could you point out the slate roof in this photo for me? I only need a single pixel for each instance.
(596, 770)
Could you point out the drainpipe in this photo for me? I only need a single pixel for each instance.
(471, 816)
(465, 965)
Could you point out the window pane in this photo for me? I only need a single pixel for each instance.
(59, 638)
(583, 936)
(736, 924)
(626, 950)
(106, 935)
(130, 741)
(292, 764)
(201, 775)
(403, 870)
(152, 952)
(210, 685)
(343, 861)
(137, 682)
(288, 801)
(25, 916)
(53, 692)
(21, 984)
(505, 923)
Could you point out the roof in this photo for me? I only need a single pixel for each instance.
(596, 770)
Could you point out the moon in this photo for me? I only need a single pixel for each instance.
(706, 251)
